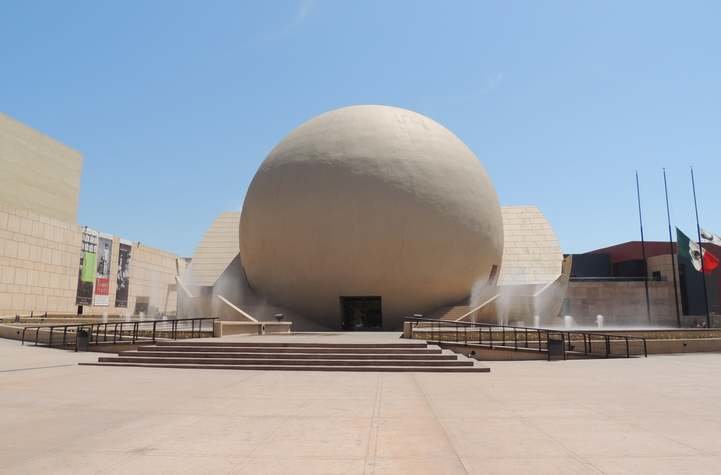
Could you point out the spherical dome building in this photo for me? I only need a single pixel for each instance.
(367, 214)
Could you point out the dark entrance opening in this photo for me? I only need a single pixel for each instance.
(361, 313)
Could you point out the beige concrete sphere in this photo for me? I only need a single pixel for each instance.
(370, 201)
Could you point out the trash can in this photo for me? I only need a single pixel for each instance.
(82, 340)
(555, 347)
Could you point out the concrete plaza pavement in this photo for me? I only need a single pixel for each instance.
(656, 415)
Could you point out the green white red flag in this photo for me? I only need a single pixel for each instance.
(700, 258)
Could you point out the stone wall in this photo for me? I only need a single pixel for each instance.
(39, 263)
(663, 264)
(152, 275)
(531, 252)
(620, 303)
(216, 250)
(38, 173)
(39, 259)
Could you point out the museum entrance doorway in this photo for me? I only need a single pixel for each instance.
(361, 313)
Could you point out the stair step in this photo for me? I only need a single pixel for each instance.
(303, 349)
(306, 355)
(292, 357)
(316, 362)
(265, 367)
(292, 344)
(450, 313)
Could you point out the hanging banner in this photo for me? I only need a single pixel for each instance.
(86, 273)
(101, 296)
(121, 293)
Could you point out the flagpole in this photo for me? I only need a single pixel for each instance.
(700, 245)
(643, 251)
(672, 252)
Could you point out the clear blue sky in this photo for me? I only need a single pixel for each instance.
(174, 104)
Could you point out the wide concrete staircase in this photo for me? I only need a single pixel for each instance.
(290, 356)
(451, 313)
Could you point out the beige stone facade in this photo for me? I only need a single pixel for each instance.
(624, 302)
(40, 241)
(39, 262)
(216, 250)
(38, 173)
(663, 264)
(531, 285)
(531, 252)
(152, 279)
(620, 303)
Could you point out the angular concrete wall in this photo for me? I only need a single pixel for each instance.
(531, 251)
(39, 259)
(531, 281)
(38, 173)
(215, 251)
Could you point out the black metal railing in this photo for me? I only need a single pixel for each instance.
(616, 279)
(594, 344)
(19, 318)
(64, 335)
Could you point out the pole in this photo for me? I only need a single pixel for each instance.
(643, 251)
(703, 271)
(671, 251)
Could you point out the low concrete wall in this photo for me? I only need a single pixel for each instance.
(225, 328)
(651, 334)
(665, 347)
(11, 332)
(14, 332)
(654, 347)
(669, 333)
(487, 354)
(70, 320)
(406, 330)
(658, 342)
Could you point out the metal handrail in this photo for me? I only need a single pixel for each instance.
(568, 337)
(474, 310)
(133, 330)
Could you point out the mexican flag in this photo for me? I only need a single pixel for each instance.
(691, 251)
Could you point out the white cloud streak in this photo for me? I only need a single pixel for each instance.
(304, 9)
